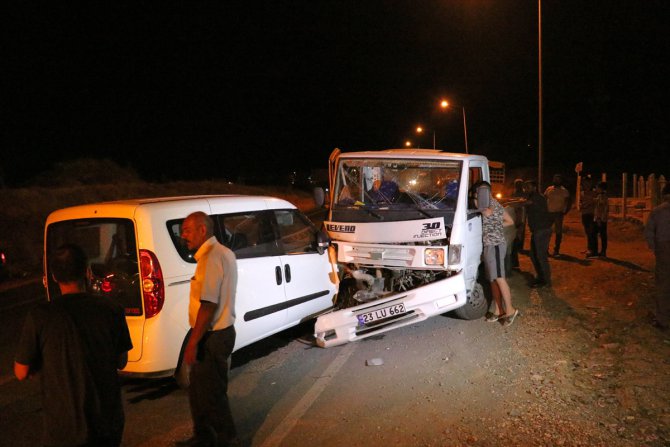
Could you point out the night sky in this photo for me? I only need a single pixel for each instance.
(242, 89)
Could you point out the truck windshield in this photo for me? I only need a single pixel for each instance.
(395, 184)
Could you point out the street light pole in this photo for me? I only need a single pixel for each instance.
(465, 131)
(444, 104)
(419, 130)
(539, 70)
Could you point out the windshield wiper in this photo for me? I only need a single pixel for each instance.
(372, 213)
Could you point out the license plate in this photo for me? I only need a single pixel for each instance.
(380, 314)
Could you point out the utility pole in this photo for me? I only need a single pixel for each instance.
(539, 70)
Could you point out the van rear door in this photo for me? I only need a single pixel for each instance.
(111, 248)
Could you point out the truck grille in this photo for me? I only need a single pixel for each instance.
(391, 257)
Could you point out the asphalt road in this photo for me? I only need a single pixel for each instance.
(284, 390)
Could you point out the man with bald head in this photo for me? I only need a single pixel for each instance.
(211, 339)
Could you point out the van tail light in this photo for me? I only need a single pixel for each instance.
(153, 287)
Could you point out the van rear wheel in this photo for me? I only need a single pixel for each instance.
(476, 305)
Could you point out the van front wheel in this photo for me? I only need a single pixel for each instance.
(476, 305)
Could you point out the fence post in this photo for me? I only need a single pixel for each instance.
(634, 186)
(640, 187)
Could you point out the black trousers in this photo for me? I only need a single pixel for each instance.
(208, 391)
(600, 229)
(557, 219)
(591, 243)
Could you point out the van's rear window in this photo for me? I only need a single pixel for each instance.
(112, 254)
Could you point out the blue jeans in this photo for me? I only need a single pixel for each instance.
(539, 245)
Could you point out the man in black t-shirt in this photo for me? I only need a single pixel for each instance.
(75, 344)
(539, 222)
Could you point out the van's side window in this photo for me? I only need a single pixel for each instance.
(296, 233)
(249, 235)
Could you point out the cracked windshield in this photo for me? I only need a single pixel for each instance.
(398, 184)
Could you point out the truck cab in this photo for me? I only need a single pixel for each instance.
(407, 237)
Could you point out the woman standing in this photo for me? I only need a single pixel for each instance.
(493, 216)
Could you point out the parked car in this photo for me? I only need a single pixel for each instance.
(137, 258)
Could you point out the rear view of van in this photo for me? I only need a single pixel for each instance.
(137, 259)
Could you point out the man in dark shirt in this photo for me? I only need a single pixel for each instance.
(76, 343)
(539, 222)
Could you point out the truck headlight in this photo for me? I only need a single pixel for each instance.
(455, 254)
(433, 256)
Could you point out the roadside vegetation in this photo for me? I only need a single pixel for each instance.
(24, 210)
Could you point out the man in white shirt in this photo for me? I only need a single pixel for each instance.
(211, 316)
(558, 205)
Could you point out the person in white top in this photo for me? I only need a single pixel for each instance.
(212, 335)
(558, 205)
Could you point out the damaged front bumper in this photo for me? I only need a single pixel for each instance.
(390, 312)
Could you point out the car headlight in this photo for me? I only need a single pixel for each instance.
(433, 256)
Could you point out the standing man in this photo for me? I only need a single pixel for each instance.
(519, 217)
(558, 204)
(211, 315)
(657, 233)
(539, 222)
(76, 342)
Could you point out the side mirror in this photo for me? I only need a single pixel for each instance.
(319, 196)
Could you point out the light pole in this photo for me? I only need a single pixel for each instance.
(419, 130)
(539, 70)
(445, 104)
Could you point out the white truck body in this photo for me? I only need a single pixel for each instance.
(404, 231)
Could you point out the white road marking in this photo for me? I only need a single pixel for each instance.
(286, 425)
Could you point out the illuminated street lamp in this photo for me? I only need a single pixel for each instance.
(444, 104)
(408, 143)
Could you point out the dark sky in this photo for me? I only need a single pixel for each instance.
(223, 89)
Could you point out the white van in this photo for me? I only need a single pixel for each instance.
(137, 258)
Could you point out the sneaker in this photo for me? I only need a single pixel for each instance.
(510, 320)
(591, 255)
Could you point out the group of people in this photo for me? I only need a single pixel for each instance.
(541, 212)
(544, 211)
(77, 342)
